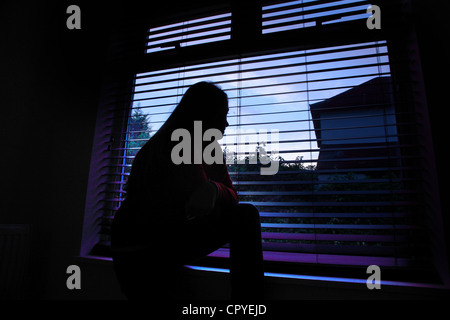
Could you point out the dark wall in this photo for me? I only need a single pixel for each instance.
(50, 81)
(433, 33)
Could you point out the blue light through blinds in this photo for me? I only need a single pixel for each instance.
(188, 33)
(342, 194)
(311, 13)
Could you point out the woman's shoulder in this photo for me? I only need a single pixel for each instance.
(157, 147)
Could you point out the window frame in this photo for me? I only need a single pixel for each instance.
(245, 41)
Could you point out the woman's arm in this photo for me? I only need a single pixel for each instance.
(216, 190)
(226, 193)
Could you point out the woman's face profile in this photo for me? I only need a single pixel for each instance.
(218, 120)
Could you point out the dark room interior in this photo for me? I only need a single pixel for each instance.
(66, 91)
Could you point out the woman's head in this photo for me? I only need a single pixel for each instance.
(203, 101)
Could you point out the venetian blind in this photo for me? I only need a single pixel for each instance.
(188, 33)
(288, 15)
(345, 190)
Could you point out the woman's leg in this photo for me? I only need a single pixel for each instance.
(247, 274)
(155, 271)
(241, 228)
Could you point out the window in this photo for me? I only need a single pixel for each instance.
(309, 13)
(187, 33)
(348, 189)
(339, 195)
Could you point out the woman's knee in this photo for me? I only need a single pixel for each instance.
(248, 212)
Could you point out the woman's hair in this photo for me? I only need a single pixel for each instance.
(200, 102)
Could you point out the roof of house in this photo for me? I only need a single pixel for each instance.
(371, 94)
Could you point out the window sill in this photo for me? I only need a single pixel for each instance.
(282, 286)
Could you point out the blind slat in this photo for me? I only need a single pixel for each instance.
(326, 258)
(236, 62)
(256, 69)
(207, 29)
(311, 14)
(332, 237)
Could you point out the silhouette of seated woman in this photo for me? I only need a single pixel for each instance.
(174, 214)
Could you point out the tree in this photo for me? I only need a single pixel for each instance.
(138, 134)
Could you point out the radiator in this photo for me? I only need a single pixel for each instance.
(14, 258)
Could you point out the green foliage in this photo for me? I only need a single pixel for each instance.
(138, 134)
